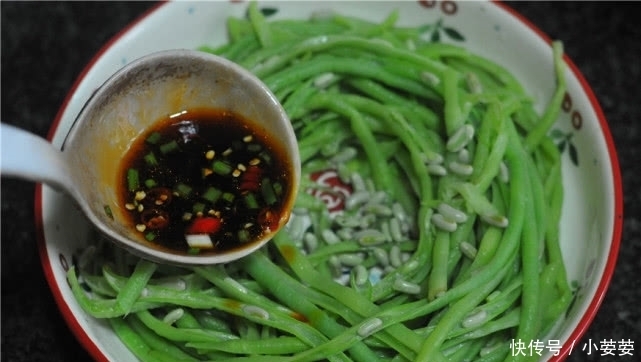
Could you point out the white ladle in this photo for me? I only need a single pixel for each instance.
(129, 102)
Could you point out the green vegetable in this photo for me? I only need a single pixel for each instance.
(133, 182)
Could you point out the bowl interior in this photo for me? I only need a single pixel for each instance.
(591, 219)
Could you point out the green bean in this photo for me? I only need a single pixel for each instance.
(438, 277)
(283, 287)
(157, 343)
(131, 339)
(180, 334)
(302, 71)
(265, 346)
(135, 284)
(261, 28)
(347, 296)
(295, 327)
(529, 322)
(551, 112)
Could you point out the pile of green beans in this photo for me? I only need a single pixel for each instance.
(447, 248)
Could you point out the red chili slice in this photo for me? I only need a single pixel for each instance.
(204, 225)
(268, 219)
(154, 219)
(250, 179)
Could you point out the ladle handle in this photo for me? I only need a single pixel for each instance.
(28, 156)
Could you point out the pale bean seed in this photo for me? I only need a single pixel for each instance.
(442, 223)
(370, 326)
(451, 213)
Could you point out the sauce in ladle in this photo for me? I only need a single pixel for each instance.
(204, 181)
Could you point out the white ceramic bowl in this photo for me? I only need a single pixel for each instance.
(592, 211)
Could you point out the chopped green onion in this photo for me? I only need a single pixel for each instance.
(168, 147)
(228, 196)
(198, 207)
(108, 212)
(254, 147)
(150, 183)
(237, 145)
(212, 194)
(250, 201)
(151, 160)
(150, 236)
(265, 156)
(183, 190)
(278, 188)
(243, 235)
(153, 138)
(267, 190)
(221, 167)
(133, 183)
(193, 251)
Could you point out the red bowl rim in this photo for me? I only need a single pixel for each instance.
(576, 334)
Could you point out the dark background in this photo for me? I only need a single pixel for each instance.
(46, 45)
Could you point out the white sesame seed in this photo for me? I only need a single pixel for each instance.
(140, 195)
(141, 227)
(248, 138)
(210, 154)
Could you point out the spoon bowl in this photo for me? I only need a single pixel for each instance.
(124, 107)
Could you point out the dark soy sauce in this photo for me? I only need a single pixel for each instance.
(200, 175)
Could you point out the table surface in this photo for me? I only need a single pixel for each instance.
(46, 45)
